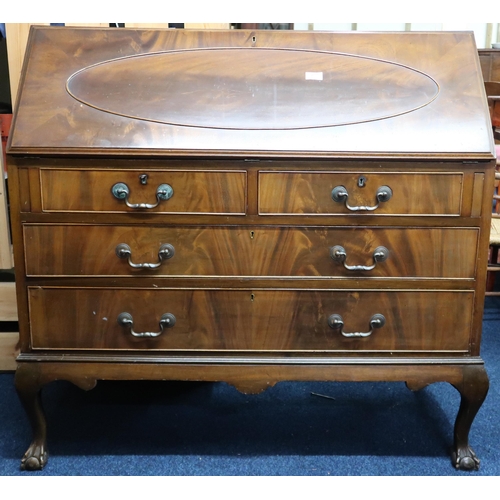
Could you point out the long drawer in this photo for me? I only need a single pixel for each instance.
(250, 320)
(331, 193)
(155, 191)
(80, 250)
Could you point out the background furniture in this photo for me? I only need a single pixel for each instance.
(490, 64)
(493, 95)
(493, 266)
(9, 336)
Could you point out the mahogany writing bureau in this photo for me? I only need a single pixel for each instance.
(250, 207)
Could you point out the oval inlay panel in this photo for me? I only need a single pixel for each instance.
(254, 88)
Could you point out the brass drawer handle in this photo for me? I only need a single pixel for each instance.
(121, 192)
(338, 254)
(340, 194)
(165, 252)
(335, 321)
(126, 321)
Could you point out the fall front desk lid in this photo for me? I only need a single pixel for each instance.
(181, 92)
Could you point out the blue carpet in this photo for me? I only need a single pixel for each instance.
(200, 429)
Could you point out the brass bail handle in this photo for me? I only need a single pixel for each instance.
(336, 322)
(126, 320)
(340, 194)
(165, 252)
(121, 192)
(338, 254)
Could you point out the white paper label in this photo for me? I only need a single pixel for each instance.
(314, 75)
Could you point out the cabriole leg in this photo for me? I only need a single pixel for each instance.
(28, 387)
(473, 389)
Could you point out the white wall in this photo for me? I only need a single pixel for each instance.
(484, 33)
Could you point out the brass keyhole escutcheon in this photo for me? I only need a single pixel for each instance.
(252, 234)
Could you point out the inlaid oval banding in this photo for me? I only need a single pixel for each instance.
(252, 88)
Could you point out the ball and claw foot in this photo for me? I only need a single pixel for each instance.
(35, 457)
(465, 459)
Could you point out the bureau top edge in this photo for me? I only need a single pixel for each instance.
(124, 154)
(280, 94)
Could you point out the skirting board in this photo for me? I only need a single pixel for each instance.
(8, 340)
(8, 305)
(8, 351)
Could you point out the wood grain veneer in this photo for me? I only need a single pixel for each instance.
(194, 191)
(82, 250)
(311, 193)
(252, 130)
(255, 320)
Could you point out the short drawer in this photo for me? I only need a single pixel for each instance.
(80, 250)
(158, 191)
(332, 193)
(250, 320)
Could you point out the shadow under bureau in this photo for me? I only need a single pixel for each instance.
(250, 207)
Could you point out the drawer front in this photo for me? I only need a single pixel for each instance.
(190, 192)
(357, 193)
(251, 320)
(78, 250)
